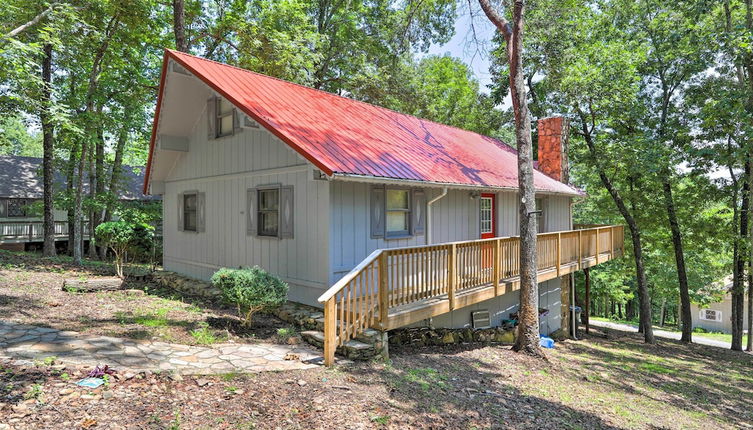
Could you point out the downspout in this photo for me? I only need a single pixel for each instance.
(428, 214)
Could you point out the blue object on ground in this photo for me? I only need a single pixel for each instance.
(546, 342)
(90, 382)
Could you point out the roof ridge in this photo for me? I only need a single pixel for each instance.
(172, 51)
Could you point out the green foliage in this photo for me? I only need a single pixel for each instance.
(250, 290)
(123, 236)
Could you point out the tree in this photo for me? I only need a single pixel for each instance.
(49, 154)
(122, 237)
(528, 329)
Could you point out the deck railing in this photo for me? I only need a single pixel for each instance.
(32, 231)
(437, 276)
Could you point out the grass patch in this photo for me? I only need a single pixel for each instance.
(203, 335)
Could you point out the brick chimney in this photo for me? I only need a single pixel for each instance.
(553, 132)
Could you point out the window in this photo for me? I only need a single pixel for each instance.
(190, 205)
(397, 212)
(486, 215)
(269, 212)
(225, 114)
(17, 208)
(711, 315)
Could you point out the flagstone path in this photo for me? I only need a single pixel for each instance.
(27, 342)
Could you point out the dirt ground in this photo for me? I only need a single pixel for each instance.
(607, 380)
(31, 293)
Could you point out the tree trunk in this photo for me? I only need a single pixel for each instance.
(116, 173)
(738, 287)
(682, 276)
(93, 190)
(78, 218)
(528, 328)
(49, 153)
(663, 312)
(635, 235)
(70, 175)
(179, 25)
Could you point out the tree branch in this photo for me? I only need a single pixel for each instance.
(34, 21)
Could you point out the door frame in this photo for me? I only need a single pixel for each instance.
(493, 198)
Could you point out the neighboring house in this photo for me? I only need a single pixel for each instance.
(21, 192)
(310, 186)
(717, 317)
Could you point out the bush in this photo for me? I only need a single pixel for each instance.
(123, 237)
(250, 290)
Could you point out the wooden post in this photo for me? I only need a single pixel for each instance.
(587, 310)
(384, 292)
(452, 275)
(330, 342)
(597, 245)
(497, 247)
(580, 251)
(31, 232)
(559, 252)
(611, 243)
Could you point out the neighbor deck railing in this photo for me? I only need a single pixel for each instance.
(406, 280)
(32, 231)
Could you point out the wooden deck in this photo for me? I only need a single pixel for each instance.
(33, 231)
(395, 287)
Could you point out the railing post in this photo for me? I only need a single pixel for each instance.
(330, 324)
(384, 292)
(559, 253)
(580, 249)
(452, 276)
(597, 245)
(611, 243)
(497, 246)
(31, 232)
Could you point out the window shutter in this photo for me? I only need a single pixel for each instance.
(180, 211)
(201, 210)
(286, 212)
(419, 212)
(251, 212)
(211, 118)
(377, 212)
(3, 208)
(237, 118)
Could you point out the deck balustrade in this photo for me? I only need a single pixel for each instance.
(395, 287)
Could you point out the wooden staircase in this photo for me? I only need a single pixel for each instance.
(395, 287)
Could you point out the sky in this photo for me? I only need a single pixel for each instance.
(462, 45)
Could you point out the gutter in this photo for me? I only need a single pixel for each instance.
(428, 214)
(418, 183)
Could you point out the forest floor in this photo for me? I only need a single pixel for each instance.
(31, 293)
(610, 379)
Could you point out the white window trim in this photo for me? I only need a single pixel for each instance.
(402, 234)
(195, 195)
(259, 210)
(218, 116)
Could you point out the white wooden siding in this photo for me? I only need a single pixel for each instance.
(224, 169)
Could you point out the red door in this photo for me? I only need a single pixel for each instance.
(487, 216)
(488, 228)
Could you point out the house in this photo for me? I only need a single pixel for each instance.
(716, 317)
(384, 219)
(21, 192)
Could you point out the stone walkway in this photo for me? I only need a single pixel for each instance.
(26, 342)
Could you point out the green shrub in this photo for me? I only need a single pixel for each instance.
(123, 237)
(250, 290)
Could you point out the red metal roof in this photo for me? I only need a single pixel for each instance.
(344, 136)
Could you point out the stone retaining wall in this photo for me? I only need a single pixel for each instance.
(425, 336)
(187, 286)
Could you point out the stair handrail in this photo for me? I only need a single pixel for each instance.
(345, 280)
